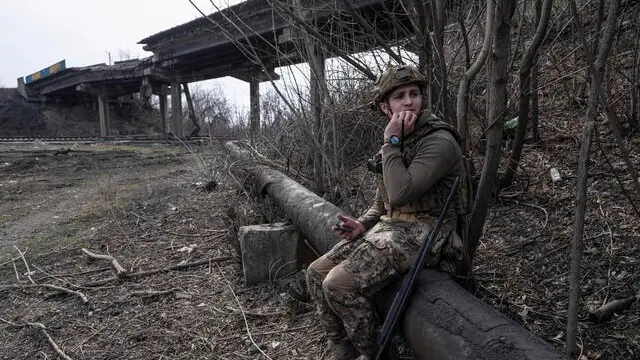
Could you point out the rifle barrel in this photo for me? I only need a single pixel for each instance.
(401, 299)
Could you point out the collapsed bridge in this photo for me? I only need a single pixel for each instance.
(247, 41)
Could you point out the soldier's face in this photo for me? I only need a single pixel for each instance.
(403, 98)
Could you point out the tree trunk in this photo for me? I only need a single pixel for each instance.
(442, 321)
(596, 70)
(498, 78)
(425, 55)
(438, 21)
(526, 66)
(535, 73)
(192, 112)
(635, 82)
(463, 90)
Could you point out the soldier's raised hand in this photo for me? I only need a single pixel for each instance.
(395, 125)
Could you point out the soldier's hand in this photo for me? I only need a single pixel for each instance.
(348, 228)
(394, 127)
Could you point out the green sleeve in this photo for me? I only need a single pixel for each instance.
(435, 155)
(372, 216)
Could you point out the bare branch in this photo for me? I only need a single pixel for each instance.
(43, 329)
(470, 74)
(120, 271)
(68, 291)
(595, 69)
(25, 264)
(288, 13)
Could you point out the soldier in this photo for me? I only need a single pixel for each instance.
(415, 169)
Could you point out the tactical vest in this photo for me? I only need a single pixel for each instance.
(432, 201)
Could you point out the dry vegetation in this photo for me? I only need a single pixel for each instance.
(141, 206)
(158, 217)
(182, 294)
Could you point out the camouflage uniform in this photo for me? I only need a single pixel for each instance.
(343, 281)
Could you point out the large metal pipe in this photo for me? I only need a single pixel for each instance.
(443, 321)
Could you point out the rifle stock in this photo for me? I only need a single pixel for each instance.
(401, 299)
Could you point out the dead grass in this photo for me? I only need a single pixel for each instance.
(149, 219)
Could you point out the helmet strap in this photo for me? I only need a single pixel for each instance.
(402, 138)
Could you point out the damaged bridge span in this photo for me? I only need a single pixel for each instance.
(443, 321)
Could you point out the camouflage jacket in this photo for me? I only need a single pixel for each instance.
(417, 176)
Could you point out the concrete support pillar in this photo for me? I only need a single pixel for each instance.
(103, 111)
(146, 91)
(163, 110)
(22, 89)
(176, 109)
(254, 103)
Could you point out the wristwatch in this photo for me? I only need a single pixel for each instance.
(393, 140)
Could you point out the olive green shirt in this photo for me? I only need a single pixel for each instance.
(436, 156)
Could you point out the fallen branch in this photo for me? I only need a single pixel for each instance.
(120, 271)
(613, 307)
(546, 214)
(48, 286)
(68, 291)
(150, 293)
(43, 329)
(15, 270)
(25, 264)
(181, 266)
(59, 276)
(293, 329)
(255, 313)
(246, 324)
(213, 232)
(156, 271)
(91, 336)
(9, 261)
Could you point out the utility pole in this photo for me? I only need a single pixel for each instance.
(109, 54)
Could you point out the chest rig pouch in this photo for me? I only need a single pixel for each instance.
(432, 201)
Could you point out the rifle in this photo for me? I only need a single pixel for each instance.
(401, 299)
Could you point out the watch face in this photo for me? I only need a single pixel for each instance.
(394, 140)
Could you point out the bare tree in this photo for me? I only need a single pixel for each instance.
(212, 109)
(192, 113)
(497, 105)
(596, 71)
(635, 79)
(471, 72)
(526, 66)
(535, 73)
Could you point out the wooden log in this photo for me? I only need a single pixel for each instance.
(443, 321)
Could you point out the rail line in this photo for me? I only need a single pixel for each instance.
(111, 139)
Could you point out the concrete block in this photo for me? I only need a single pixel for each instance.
(268, 251)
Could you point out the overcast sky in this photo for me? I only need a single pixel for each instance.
(37, 33)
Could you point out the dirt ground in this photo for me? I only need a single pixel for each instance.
(147, 207)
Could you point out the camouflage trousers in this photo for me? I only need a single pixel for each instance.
(343, 281)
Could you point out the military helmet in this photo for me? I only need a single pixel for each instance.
(394, 77)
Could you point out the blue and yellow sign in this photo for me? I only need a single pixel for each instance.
(57, 67)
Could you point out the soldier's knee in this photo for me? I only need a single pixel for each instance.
(338, 280)
(320, 268)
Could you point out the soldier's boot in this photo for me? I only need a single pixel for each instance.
(341, 349)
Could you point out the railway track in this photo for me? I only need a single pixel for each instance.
(109, 140)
